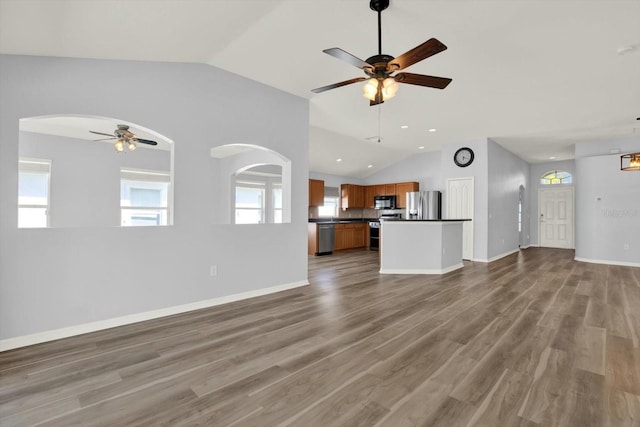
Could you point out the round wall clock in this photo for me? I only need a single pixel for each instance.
(463, 157)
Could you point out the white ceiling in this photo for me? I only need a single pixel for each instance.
(535, 76)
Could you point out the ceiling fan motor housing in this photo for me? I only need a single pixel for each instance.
(379, 63)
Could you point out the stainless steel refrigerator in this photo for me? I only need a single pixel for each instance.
(424, 205)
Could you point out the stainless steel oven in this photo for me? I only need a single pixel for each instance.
(374, 235)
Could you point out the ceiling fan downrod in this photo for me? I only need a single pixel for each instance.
(379, 6)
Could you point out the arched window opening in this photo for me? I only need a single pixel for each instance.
(88, 171)
(556, 177)
(254, 185)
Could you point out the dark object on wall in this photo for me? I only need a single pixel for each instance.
(463, 157)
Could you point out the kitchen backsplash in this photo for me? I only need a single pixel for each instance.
(349, 213)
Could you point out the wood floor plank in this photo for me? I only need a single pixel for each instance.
(532, 339)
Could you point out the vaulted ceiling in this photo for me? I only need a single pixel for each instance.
(534, 76)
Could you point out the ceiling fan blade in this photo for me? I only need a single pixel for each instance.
(335, 85)
(106, 139)
(145, 141)
(100, 133)
(345, 56)
(376, 102)
(422, 80)
(417, 54)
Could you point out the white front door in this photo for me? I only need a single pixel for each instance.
(460, 206)
(556, 217)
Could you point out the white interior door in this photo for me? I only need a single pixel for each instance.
(460, 206)
(556, 217)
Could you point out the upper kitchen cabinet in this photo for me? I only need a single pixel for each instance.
(402, 189)
(369, 194)
(352, 196)
(389, 190)
(316, 192)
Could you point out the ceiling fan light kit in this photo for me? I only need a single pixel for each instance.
(381, 84)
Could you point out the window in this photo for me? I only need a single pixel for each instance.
(277, 203)
(144, 198)
(249, 202)
(33, 193)
(556, 177)
(259, 195)
(331, 202)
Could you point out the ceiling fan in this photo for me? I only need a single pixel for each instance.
(382, 84)
(123, 137)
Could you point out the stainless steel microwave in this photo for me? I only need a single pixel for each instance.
(384, 202)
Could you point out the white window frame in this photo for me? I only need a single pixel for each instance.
(151, 176)
(42, 166)
(242, 183)
(268, 182)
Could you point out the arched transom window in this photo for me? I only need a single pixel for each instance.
(556, 177)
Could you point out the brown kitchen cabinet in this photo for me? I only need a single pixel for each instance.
(402, 189)
(351, 196)
(350, 236)
(369, 194)
(360, 235)
(389, 189)
(316, 192)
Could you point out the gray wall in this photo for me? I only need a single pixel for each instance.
(507, 172)
(56, 278)
(607, 203)
(536, 172)
(479, 171)
(335, 180)
(424, 168)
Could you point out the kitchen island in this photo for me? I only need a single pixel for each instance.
(421, 246)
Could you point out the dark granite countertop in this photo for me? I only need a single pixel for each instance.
(340, 220)
(424, 220)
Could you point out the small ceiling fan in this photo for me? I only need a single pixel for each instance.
(382, 84)
(123, 137)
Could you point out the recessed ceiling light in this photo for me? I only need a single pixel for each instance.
(552, 157)
(420, 148)
(433, 130)
(404, 127)
(338, 160)
(370, 166)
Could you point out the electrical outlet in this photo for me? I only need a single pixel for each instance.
(213, 270)
(626, 246)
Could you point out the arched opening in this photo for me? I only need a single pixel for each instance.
(87, 171)
(254, 185)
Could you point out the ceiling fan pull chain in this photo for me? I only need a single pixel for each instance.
(379, 115)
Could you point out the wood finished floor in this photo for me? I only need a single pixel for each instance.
(533, 339)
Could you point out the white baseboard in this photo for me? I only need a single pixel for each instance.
(421, 271)
(525, 247)
(497, 257)
(608, 262)
(56, 334)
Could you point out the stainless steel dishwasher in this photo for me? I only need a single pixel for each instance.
(326, 239)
